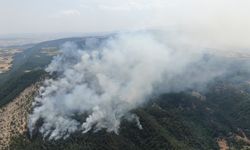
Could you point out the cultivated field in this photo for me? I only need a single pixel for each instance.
(6, 58)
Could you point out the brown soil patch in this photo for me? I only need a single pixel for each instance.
(242, 137)
(223, 144)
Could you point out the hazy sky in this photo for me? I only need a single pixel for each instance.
(50, 16)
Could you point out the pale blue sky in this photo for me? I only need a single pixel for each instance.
(34, 16)
(53, 16)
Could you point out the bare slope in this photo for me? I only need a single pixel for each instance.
(13, 118)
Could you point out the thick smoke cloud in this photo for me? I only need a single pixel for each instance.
(95, 89)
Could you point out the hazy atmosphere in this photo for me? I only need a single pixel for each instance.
(52, 16)
(124, 74)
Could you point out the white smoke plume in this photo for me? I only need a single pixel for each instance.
(101, 86)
